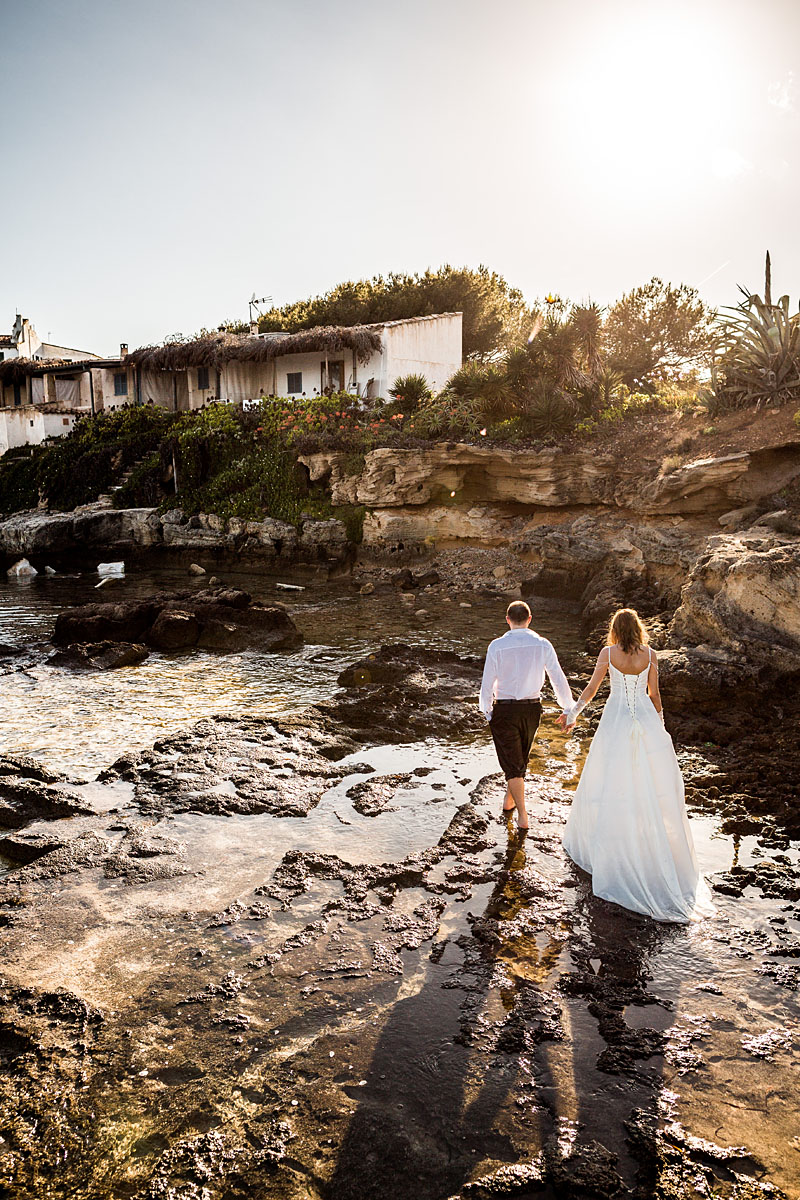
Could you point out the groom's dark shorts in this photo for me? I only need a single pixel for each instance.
(513, 725)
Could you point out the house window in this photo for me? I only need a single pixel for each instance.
(31, 424)
(202, 379)
(64, 421)
(294, 382)
(121, 384)
(2, 355)
(17, 393)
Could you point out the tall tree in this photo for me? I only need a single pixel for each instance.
(496, 316)
(658, 332)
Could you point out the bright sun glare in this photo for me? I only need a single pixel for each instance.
(654, 102)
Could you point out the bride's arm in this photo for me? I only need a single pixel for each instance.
(589, 692)
(652, 685)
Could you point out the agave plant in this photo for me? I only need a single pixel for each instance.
(760, 361)
(449, 413)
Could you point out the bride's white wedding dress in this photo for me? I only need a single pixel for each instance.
(628, 826)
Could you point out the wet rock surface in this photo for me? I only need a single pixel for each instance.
(305, 957)
(228, 766)
(99, 656)
(29, 791)
(222, 619)
(401, 693)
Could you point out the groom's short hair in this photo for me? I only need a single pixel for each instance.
(518, 612)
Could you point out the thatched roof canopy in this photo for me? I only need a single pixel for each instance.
(216, 349)
(17, 370)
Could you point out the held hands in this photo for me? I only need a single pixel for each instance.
(562, 723)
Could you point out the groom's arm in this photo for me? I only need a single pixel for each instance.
(557, 678)
(487, 684)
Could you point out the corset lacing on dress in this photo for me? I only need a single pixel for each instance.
(631, 698)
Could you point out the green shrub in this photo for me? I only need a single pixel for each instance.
(549, 413)
(448, 415)
(409, 391)
(483, 389)
(144, 487)
(510, 430)
(18, 487)
(76, 469)
(352, 517)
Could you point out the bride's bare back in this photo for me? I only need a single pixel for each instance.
(629, 664)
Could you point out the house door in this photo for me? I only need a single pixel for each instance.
(181, 391)
(333, 379)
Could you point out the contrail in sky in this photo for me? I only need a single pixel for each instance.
(713, 273)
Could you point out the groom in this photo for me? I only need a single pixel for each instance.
(510, 698)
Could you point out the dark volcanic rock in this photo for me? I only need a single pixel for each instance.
(27, 848)
(374, 796)
(214, 618)
(174, 630)
(402, 693)
(227, 766)
(102, 656)
(285, 766)
(29, 768)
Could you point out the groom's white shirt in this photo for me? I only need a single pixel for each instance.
(515, 668)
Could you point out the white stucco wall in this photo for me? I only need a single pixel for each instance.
(30, 426)
(50, 350)
(104, 397)
(430, 346)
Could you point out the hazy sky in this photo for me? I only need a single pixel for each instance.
(161, 161)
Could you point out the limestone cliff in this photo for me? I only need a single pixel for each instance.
(473, 476)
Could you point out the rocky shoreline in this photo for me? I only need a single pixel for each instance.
(299, 956)
(353, 1024)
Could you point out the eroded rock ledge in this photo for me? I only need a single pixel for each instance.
(112, 532)
(393, 478)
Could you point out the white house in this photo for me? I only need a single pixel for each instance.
(41, 395)
(364, 360)
(24, 342)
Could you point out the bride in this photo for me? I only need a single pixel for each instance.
(628, 826)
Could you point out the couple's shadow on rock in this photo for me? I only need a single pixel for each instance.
(510, 1051)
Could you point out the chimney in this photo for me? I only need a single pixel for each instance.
(123, 349)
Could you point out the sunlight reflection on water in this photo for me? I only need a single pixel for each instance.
(80, 723)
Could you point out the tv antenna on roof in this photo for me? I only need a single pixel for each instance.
(254, 303)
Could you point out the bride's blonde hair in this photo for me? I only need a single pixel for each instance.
(627, 631)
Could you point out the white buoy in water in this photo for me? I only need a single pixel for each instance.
(22, 569)
(117, 568)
